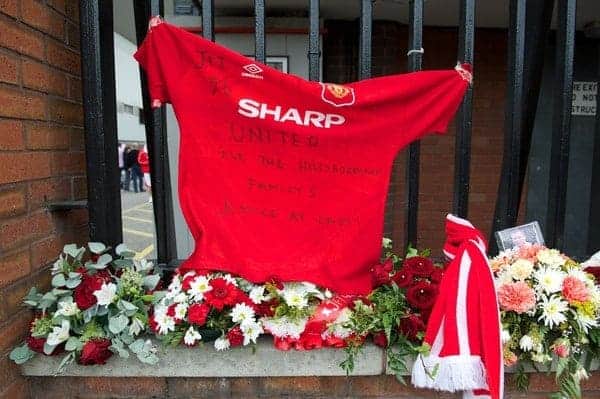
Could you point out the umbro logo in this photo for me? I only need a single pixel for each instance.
(252, 71)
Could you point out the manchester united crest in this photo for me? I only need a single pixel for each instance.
(337, 95)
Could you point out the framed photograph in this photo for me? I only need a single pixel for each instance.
(518, 236)
(279, 62)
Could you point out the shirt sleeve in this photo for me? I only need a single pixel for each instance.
(165, 55)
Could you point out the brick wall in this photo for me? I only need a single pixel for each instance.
(390, 41)
(41, 156)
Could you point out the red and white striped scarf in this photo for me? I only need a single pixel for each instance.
(464, 327)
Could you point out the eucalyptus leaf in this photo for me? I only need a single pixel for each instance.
(58, 280)
(72, 250)
(102, 310)
(118, 323)
(104, 260)
(73, 282)
(124, 251)
(48, 349)
(96, 247)
(73, 343)
(151, 281)
(122, 263)
(89, 313)
(21, 354)
(137, 345)
(74, 275)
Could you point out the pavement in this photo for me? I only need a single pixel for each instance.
(138, 224)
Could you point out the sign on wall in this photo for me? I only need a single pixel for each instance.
(584, 98)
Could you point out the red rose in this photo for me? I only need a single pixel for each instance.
(595, 271)
(223, 293)
(380, 339)
(420, 266)
(83, 294)
(197, 314)
(422, 295)
(410, 326)
(235, 336)
(152, 323)
(95, 351)
(381, 273)
(436, 275)
(403, 277)
(37, 345)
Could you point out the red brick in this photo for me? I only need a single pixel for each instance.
(11, 297)
(47, 250)
(137, 387)
(18, 389)
(73, 36)
(10, 7)
(43, 78)
(12, 202)
(14, 330)
(14, 266)
(75, 92)
(40, 136)
(11, 135)
(19, 166)
(62, 57)
(41, 191)
(72, 9)
(9, 374)
(43, 18)
(9, 72)
(21, 104)
(77, 139)
(79, 187)
(65, 112)
(73, 162)
(22, 39)
(18, 231)
(58, 5)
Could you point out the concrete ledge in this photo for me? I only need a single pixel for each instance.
(206, 362)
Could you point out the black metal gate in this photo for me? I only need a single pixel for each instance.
(528, 28)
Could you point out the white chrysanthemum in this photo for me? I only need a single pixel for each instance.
(338, 329)
(553, 311)
(230, 279)
(136, 326)
(579, 274)
(549, 279)
(180, 311)
(540, 357)
(295, 294)
(503, 277)
(251, 330)
(521, 269)
(283, 327)
(550, 257)
(526, 343)
(67, 308)
(242, 313)
(59, 334)
(106, 294)
(174, 288)
(222, 344)
(198, 287)
(585, 322)
(165, 323)
(257, 294)
(505, 336)
(191, 336)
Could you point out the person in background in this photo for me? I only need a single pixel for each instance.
(121, 160)
(127, 167)
(144, 162)
(134, 169)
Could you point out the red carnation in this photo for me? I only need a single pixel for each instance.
(152, 323)
(420, 266)
(266, 309)
(422, 295)
(411, 326)
(37, 345)
(83, 294)
(171, 310)
(222, 293)
(403, 277)
(235, 336)
(197, 314)
(436, 275)
(95, 351)
(381, 273)
(186, 283)
(380, 339)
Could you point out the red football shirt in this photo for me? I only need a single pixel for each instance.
(281, 178)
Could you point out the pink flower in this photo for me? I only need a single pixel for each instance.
(561, 348)
(575, 290)
(529, 252)
(518, 297)
(509, 358)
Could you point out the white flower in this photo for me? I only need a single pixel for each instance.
(191, 336)
(230, 279)
(198, 287)
(222, 344)
(540, 357)
(581, 374)
(338, 329)
(549, 279)
(553, 310)
(180, 298)
(257, 294)
(328, 294)
(59, 334)
(57, 266)
(521, 269)
(503, 278)
(165, 323)
(550, 257)
(174, 288)
(283, 327)
(585, 322)
(106, 294)
(67, 308)
(251, 330)
(180, 311)
(242, 313)
(136, 326)
(386, 242)
(295, 294)
(505, 336)
(526, 343)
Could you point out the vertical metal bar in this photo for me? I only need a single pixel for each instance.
(364, 43)
(594, 219)
(208, 19)
(100, 121)
(462, 150)
(156, 137)
(415, 42)
(561, 122)
(259, 31)
(314, 52)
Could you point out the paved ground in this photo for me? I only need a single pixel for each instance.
(138, 224)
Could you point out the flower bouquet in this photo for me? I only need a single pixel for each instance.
(549, 309)
(206, 307)
(96, 308)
